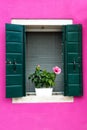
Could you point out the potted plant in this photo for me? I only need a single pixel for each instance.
(43, 79)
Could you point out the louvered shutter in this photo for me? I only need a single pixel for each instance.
(72, 40)
(15, 60)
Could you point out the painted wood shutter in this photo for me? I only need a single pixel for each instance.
(15, 61)
(72, 39)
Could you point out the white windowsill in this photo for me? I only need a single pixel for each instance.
(41, 99)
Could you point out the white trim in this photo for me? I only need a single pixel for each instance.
(39, 22)
(42, 21)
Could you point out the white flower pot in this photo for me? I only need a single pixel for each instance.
(43, 91)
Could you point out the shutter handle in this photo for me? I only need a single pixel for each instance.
(14, 65)
(74, 65)
(8, 62)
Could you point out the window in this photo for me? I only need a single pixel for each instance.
(44, 47)
(15, 53)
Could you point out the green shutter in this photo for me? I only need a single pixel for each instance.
(15, 61)
(72, 40)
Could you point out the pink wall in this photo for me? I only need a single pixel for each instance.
(52, 116)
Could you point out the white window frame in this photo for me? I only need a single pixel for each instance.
(42, 22)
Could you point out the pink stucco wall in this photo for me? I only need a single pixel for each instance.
(52, 116)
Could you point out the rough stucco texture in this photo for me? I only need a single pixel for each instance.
(52, 116)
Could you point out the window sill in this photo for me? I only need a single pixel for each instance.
(41, 99)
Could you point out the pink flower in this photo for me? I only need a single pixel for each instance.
(56, 70)
(38, 65)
